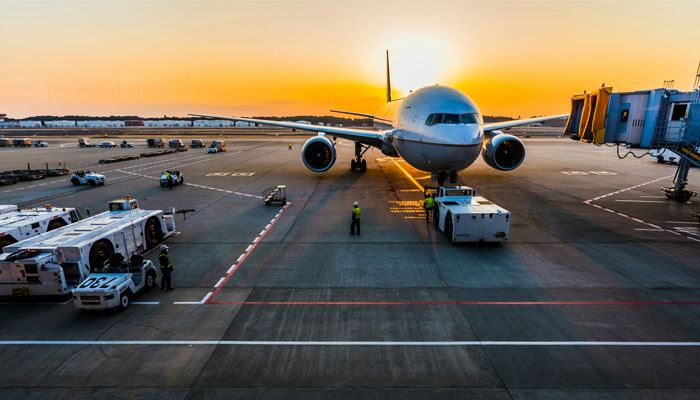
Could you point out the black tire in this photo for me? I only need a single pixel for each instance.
(125, 300)
(182, 181)
(683, 197)
(56, 223)
(660, 159)
(102, 183)
(75, 181)
(448, 226)
(99, 253)
(150, 279)
(364, 165)
(353, 165)
(6, 241)
(93, 183)
(153, 233)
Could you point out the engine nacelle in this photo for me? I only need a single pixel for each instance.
(318, 154)
(503, 152)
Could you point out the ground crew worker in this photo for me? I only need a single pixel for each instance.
(166, 268)
(429, 204)
(290, 145)
(169, 177)
(356, 213)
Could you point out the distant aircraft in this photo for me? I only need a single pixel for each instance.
(436, 129)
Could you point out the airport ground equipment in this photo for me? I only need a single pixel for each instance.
(110, 160)
(196, 143)
(87, 178)
(116, 285)
(217, 146)
(275, 194)
(125, 144)
(41, 144)
(53, 262)
(6, 208)
(466, 217)
(176, 176)
(108, 143)
(21, 142)
(155, 142)
(5, 142)
(85, 142)
(176, 144)
(645, 119)
(24, 224)
(664, 155)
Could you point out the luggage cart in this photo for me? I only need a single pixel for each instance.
(275, 194)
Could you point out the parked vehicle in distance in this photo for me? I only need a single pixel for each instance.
(155, 142)
(87, 178)
(176, 144)
(85, 142)
(41, 144)
(21, 142)
(116, 285)
(125, 144)
(176, 177)
(217, 146)
(108, 143)
(196, 143)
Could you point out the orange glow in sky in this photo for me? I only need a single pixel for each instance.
(274, 57)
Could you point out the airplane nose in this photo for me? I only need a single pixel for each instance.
(464, 135)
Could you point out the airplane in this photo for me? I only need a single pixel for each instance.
(436, 129)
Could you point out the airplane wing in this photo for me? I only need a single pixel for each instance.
(372, 138)
(509, 124)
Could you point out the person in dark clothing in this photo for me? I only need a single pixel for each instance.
(166, 268)
(356, 213)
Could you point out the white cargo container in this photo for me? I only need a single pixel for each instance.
(54, 262)
(24, 224)
(465, 217)
(6, 208)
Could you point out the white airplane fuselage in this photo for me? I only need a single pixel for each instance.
(439, 147)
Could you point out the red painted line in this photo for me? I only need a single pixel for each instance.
(476, 303)
(245, 256)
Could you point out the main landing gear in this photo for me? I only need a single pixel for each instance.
(358, 163)
(441, 176)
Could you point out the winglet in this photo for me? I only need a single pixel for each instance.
(388, 79)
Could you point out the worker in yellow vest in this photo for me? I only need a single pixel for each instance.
(356, 213)
(166, 268)
(429, 204)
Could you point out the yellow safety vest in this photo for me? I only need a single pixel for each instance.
(164, 261)
(429, 202)
(356, 212)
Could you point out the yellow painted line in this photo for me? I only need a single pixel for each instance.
(409, 176)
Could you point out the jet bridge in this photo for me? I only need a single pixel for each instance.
(645, 119)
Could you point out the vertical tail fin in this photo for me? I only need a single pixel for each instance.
(388, 79)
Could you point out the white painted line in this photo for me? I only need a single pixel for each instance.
(648, 229)
(682, 222)
(146, 302)
(654, 197)
(231, 268)
(204, 300)
(256, 239)
(262, 232)
(642, 201)
(219, 282)
(266, 227)
(248, 248)
(349, 343)
(240, 257)
(186, 302)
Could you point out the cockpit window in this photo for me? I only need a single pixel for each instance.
(439, 118)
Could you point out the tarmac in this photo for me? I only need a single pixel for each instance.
(596, 294)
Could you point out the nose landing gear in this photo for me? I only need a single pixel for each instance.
(358, 163)
(441, 176)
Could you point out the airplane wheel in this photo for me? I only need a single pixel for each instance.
(364, 165)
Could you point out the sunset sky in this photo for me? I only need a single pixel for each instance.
(274, 57)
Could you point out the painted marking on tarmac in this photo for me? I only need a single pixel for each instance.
(219, 282)
(518, 343)
(204, 299)
(649, 229)
(682, 222)
(641, 201)
(146, 302)
(245, 255)
(590, 203)
(463, 303)
(408, 175)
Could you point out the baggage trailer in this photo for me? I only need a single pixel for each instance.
(24, 224)
(465, 217)
(155, 142)
(22, 142)
(54, 262)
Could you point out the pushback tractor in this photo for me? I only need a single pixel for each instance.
(54, 262)
(466, 217)
(19, 224)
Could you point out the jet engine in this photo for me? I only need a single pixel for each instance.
(503, 152)
(318, 154)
